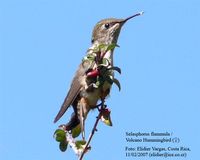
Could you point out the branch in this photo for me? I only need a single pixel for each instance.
(93, 130)
(72, 143)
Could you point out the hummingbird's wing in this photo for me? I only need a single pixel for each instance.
(75, 89)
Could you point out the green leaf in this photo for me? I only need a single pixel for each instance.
(103, 65)
(115, 69)
(105, 62)
(111, 46)
(63, 146)
(80, 144)
(102, 46)
(96, 50)
(117, 83)
(90, 57)
(76, 131)
(60, 135)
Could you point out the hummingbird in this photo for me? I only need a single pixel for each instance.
(81, 95)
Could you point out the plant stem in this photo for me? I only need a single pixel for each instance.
(93, 131)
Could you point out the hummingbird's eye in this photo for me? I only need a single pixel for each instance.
(107, 25)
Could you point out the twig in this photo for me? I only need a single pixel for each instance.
(93, 131)
(72, 143)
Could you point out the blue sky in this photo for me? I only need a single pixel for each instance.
(43, 41)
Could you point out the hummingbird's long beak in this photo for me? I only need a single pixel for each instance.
(135, 15)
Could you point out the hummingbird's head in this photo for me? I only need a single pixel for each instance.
(107, 31)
